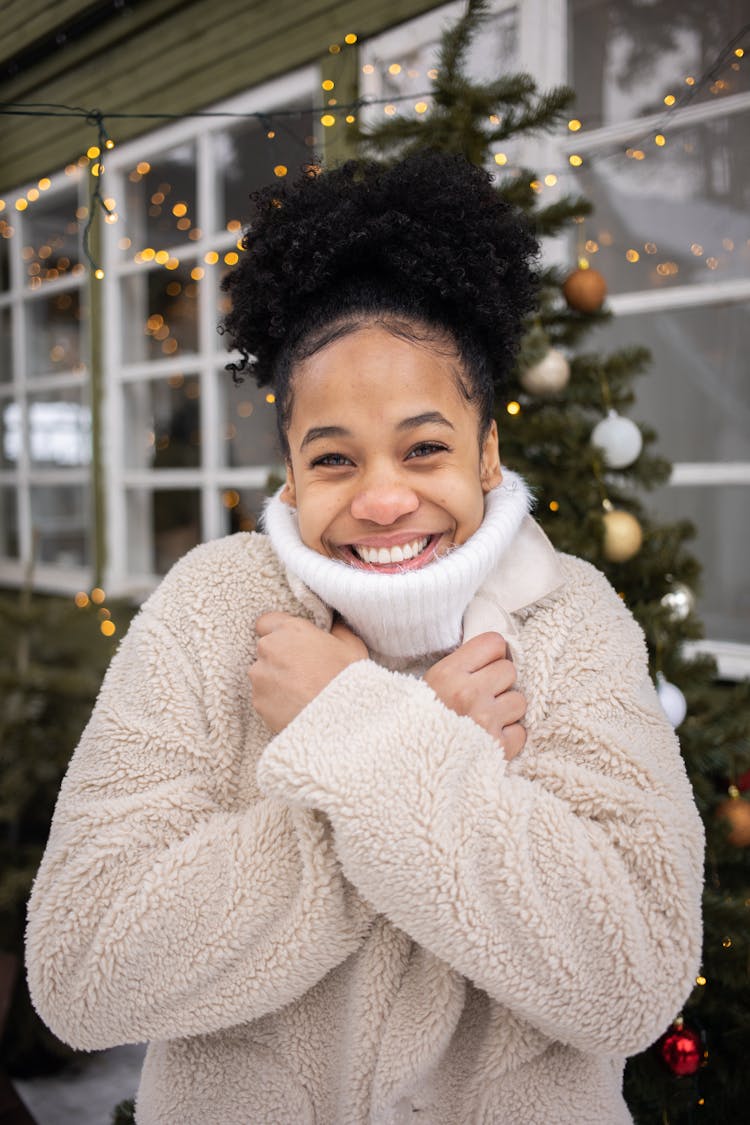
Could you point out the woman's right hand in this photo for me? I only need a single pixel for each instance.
(477, 680)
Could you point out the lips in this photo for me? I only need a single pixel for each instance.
(409, 554)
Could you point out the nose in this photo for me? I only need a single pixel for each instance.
(383, 499)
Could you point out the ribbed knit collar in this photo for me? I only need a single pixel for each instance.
(403, 616)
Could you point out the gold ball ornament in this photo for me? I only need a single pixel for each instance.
(623, 536)
(736, 811)
(585, 290)
(548, 376)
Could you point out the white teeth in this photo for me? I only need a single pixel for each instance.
(382, 556)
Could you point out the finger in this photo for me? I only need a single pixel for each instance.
(511, 706)
(270, 622)
(343, 632)
(494, 678)
(513, 740)
(480, 650)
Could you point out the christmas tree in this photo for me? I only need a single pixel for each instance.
(53, 654)
(561, 427)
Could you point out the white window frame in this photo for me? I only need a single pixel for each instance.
(211, 478)
(17, 298)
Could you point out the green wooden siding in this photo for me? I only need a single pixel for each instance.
(174, 57)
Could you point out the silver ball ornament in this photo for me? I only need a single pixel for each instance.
(619, 439)
(548, 376)
(680, 601)
(673, 702)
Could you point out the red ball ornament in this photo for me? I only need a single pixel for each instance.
(585, 290)
(681, 1049)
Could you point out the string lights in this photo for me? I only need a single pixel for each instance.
(270, 120)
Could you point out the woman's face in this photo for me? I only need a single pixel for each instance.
(385, 469)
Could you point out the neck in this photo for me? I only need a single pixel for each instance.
(403, 616)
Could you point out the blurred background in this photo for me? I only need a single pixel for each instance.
(131, 135)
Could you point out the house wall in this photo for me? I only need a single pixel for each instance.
(161, 56)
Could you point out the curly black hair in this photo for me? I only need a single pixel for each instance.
(426, 247)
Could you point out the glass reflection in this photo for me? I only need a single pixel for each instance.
(394, 68)
(721, 515)
(8, 523)
(163, 423)
(630, 58)
(249, 425)
(163, 525)
(6, 233)
(52, 236)
(247, 154)
(160, 202)
(670, 215)
(53, 333)
(696, 393)
(59, 429)
(60, 524)
(6, 353)
(242, 508)
(161, 313)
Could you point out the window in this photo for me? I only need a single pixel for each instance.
(189, 454)
(45, 419)
(666, 166)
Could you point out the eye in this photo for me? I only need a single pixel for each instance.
(333, 459)
(425, 448)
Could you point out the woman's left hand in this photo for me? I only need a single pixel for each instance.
(295, 661)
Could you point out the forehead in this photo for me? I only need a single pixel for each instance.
(371, 369)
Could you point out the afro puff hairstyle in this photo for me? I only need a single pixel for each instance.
(426, 247)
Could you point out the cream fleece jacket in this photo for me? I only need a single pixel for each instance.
(371, 913)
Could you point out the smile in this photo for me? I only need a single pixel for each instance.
(410, 555)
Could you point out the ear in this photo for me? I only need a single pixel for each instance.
(288, 493)
(490, 473)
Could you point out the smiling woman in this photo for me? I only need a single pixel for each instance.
(366, 819)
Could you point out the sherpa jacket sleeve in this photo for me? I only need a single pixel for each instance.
(157, 913)
(570, 894)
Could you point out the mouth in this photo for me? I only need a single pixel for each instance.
(410, 555)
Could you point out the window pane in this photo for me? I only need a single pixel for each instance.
(10, 433)
(242, 509)
(678, 215)
(52, 237)
(160, 314)
(6, 233)
(8, 523)
(6, 354)
(696, 393)
(160, 202)
(246, 157)
(59, 429)
(249, 425)
(163, 423)
(60, 524)
(399, 62)
(163, 525)
(626, 58)
(53, 333)
(721, 515)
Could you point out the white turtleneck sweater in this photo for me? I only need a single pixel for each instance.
(407, 615)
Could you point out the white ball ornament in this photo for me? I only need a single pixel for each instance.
(548, 376)
(673, 702)
(623, 536)
(619, 439)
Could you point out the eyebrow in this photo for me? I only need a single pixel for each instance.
(422, 419)
(316, 433)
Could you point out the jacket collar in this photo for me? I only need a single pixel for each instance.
(528, 571)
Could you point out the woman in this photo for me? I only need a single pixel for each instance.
(377, 814)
